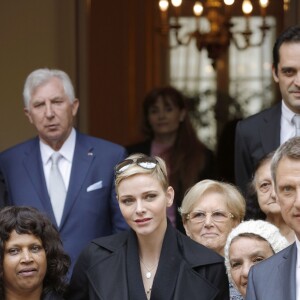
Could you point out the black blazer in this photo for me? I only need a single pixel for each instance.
(255, 137)
(109, 269)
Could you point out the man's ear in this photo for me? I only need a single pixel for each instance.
(27, 114)
(75, 106)
(276, 79)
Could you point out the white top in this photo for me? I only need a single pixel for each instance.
(65, 163)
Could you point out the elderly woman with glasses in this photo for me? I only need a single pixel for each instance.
(210, 210)
(152, 260)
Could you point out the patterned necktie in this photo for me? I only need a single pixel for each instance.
(57, 189)
(296, 120)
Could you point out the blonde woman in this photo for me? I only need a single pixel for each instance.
(153, 260)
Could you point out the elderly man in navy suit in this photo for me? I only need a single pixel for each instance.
(264, 132)
(76, 190)
(278, 277)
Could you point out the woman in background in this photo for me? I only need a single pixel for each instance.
(263, 203)
(153, 260)
(171, 136)
(33, 264)
(248, 244)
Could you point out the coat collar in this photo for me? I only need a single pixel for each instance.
(176, 277)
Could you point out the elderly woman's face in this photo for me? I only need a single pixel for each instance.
(24, 264)
(211, 233)
(245, 252)
(264, 189)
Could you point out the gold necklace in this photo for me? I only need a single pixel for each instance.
(149, 270)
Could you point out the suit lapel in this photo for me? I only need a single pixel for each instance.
(82, 161)
(287, 274)
(175, 278)
(270, 132)
(34, 168)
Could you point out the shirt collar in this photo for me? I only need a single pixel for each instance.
(286, 112)
(67, 149)
(298, 252)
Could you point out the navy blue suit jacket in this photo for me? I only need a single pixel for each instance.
(87, 214)
(275, 277)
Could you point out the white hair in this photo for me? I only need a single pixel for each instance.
(42, 76)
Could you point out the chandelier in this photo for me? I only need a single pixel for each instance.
(221, 32)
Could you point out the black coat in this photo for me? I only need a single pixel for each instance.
(255, 137)
(109, 269)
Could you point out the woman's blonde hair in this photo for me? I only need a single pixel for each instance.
(234, 200)
(159, 171)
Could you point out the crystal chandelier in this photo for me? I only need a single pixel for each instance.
(221, 32)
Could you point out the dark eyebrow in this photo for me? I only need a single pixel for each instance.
(284, 69)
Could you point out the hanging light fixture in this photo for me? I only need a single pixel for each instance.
(221, 32)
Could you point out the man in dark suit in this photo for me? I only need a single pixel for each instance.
(262, 133)
(87, 208)
(278, 277)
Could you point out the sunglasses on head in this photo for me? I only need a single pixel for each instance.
(148, 163)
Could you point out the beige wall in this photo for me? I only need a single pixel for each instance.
(33, 34)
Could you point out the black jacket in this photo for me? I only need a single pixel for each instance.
(109, 269)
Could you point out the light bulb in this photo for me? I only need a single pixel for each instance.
(163, 5)
(228, 2)
(176, 3)
(247, 7)
(198, 8)
(263, 3)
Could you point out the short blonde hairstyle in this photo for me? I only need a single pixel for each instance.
(159, 172)
(234, 200)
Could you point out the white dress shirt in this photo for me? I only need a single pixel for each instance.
(298, 270)
(288, 129)
(65, 163)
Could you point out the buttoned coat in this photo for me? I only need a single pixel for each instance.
(87, 214)
(275, 277)
(109, 269)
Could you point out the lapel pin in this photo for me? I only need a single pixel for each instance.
(90, 153)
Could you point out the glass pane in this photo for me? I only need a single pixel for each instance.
(250, 75)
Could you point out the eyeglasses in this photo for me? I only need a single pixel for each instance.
(148, 163)
(217, 216)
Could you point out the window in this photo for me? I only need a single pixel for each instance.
(250, 84)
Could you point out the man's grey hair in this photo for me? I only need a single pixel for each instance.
(42, 76)
(290, 149)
